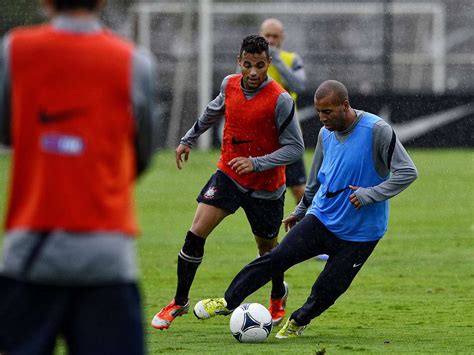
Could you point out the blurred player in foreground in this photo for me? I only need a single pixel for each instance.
(76, 105)
(261, 136)
(358, 165)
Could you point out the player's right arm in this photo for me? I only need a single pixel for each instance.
(5, 92)
(311, 188)
(212, 114)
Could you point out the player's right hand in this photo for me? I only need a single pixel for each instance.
(290, 222)
(182, 149)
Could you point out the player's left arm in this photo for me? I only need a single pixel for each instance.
(294, 76)
(313, 184)
(5, 92)
(289, 136)
(390, 158)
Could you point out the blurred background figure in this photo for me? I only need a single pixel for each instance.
(288, 71)
(77, 106)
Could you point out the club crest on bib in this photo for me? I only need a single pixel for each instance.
(210, 193)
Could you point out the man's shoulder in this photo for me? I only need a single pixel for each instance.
(27, 32)
(376, 124)
(277, 89)
(144, 63)
(370, 119)
(121, 41)
(233, 79)
(289, 55)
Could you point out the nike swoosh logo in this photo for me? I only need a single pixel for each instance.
(357, 265)
(60, 116)
(238, 141)
(330, 194)
(422, 125)
(415, 128)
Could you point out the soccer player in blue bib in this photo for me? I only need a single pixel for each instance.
(358, 165)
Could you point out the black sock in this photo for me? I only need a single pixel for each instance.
(278, 288)
(189, 259)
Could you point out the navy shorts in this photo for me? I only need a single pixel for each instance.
(295, 173)
(93, 320)
(263, 215)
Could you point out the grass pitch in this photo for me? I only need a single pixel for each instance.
(414, 295)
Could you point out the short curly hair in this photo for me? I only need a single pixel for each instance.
(254, 44)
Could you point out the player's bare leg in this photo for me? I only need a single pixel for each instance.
(207, 217)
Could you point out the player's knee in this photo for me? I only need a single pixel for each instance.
(265, 246)
(193, 245)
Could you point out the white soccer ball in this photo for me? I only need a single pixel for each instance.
(251, 323)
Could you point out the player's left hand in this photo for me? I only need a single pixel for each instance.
(241, 165)
(353, 198)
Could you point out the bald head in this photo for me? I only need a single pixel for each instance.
(271, 22)
(272, 30)
(332, 87)
(331, 102)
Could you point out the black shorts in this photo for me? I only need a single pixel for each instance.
(295, 173)
(263, 215)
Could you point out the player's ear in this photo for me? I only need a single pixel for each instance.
(269, 57)
(346, 105)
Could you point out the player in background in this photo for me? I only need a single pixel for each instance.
(358, 165)
(287, 69)
(261, 136)
(77, 107)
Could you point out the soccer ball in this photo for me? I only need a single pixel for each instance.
(251, 323)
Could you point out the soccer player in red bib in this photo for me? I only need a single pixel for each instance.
(261, 136)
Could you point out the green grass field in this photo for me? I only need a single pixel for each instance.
(414, 295)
